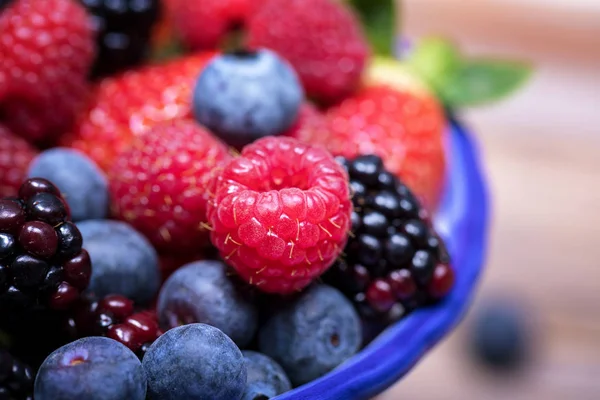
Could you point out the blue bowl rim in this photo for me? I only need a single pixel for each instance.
(463, 220)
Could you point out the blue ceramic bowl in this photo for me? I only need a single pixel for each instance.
(462, 221)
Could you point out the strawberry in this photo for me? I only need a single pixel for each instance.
(280, 213)
(322, 39)
(46, 50)
(128, 105)
(205, 24)
(158, 184)
(15, 156)
(405, 128)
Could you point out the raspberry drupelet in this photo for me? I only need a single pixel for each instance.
(394, 262)
(42, 262)
(280, 213)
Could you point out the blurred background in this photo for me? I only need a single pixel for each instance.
(542, 155)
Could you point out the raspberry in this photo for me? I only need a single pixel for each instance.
(15, 156)
(404, 128)
(42, 262)
(322, 39)
(395, 262)
(205, 24)
(280, 214)
(127, 105)
(46, 50)
(158, 185)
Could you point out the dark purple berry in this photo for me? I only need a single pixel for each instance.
(14, 298)
(69, 240)
(392, 260)
(16, 378)
(374, 223)
(123, 33)
(370, 250)
(34, 186)
(387, 203)
(356, 221)
(119, 306)
(387, 180)
(104, 320)
(441, 281)
(380, 296)
(38, 239)
(417, 231)
(12, 216)
(423, 264)
(398, 249)
(366, 169)
(402, 284)
(64, 296)
(46, 207)
(78, 270)
(28, 271)
(4, 278)
(8, 245)
(52, 280)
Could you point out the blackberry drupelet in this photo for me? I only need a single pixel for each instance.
(124, 30)
(115, 317)
(16, 378)
(394, 260)
(42, 262)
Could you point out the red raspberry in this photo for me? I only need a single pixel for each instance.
(322, 39)
(127, 105)
(309, 123)
(158, 184)
(15, 156)
(46, 50)
(280, 213)
(406, 129)
(205, 24)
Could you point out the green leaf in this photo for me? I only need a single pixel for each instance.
(478, 82)
(436, 61)
(378, 19)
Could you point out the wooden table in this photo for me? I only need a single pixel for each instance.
(542, 152)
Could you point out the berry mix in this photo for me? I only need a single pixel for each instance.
(220, 224)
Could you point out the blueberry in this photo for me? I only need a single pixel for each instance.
(499, 336)
(243, 96)
(313, 334)
(266, 378)
(202, 292)
(123, 261)
(195, 361)
(82, 183)
(91, 368)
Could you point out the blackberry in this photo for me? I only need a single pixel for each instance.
(114, 316)
(4, 3)
(394, 260)
(16, 378)
(123, 32)
(42, 262)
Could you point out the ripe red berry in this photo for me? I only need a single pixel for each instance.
(322, 39)
(280, 213)
(159, 184)
(15, 156)
(46, 50)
